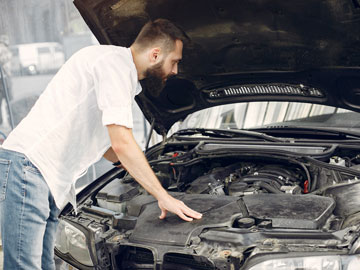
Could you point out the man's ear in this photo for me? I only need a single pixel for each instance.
(154, 55)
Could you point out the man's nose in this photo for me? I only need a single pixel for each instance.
(175, 70)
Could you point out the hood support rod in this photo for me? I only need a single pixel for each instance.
(149, 136)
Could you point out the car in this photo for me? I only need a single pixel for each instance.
(261, 134)
(37, 58)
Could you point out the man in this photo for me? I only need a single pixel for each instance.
(84, 113)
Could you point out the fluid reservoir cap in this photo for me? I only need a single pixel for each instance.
(244, 222)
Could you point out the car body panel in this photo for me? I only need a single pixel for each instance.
(238, 43)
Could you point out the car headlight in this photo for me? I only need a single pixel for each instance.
(70, 240)
(351, 262)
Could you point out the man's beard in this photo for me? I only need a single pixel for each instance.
(155, 79)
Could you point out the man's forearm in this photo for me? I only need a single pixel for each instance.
(134, 160)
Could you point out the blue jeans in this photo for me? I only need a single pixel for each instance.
(28, 214)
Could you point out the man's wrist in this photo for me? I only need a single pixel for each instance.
(161, 195)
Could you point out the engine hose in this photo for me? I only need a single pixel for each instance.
(306, 172)
(258, 178)
(271, 176)
(314, 183)
(262, 180)
(268, 187)
(280, 172)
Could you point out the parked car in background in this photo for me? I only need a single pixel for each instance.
(261, 134)
(37, 58)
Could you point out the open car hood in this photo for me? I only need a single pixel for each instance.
(243, 51)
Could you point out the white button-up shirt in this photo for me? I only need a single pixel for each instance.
(65, 132)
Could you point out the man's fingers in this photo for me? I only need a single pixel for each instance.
(163, 214)
(177, 207)
(191, 213)
(182, 216)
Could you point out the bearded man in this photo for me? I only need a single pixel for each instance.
(83, 114)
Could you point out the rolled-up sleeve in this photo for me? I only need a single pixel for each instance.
(113, 87)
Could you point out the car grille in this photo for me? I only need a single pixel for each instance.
(135, 258)
(189, 262)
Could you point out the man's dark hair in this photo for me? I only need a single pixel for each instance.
(160, 32)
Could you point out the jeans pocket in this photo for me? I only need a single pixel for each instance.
(4, 175)
(29, 167)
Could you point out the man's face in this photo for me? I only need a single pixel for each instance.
(157, 75)
(172, 60)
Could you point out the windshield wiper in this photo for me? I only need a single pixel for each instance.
(322, 131)
(226, 133)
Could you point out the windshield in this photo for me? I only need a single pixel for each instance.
(262, 114)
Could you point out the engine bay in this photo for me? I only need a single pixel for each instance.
(303, 192)
(255, 201)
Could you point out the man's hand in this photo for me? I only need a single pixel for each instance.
(177, 207)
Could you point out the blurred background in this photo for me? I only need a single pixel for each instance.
(36, 38)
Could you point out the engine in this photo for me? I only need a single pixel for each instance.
(246, 178)
(276, 190)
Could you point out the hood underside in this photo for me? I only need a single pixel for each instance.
(243, 51)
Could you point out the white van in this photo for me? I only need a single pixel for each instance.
(35, 58)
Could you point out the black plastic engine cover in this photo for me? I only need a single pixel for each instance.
(218, 211)
(117, 191)
(290, 211)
